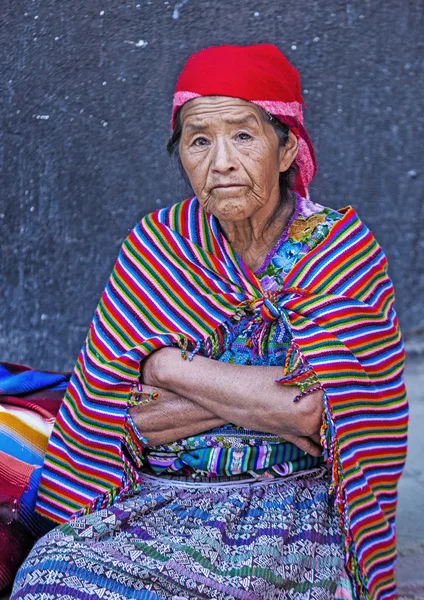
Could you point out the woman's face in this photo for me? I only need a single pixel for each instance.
(232, 157)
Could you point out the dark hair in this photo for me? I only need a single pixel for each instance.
(286, 178)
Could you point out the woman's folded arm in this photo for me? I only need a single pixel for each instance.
(171, 418)
(244, 395)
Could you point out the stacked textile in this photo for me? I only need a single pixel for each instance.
(29, 402)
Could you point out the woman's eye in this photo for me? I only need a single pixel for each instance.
(242, 135)
(200, 141)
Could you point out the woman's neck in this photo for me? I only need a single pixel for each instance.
(253, 238)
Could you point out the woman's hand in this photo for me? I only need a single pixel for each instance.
(307, 412)
(171, 418)
(311, 445)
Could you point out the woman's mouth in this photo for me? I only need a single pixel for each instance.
(227, 186)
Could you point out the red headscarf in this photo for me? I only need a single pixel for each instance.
(260, 74)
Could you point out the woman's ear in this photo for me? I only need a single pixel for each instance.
(289, 152)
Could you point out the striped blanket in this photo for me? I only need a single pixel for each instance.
(29, 402)
(176, 281)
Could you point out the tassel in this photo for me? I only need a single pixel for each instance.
(182, 344)
(195, 351)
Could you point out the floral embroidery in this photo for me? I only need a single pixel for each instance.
(308, 208)
(302, 228)
(311, 225)
(269, 284)
(286, 256)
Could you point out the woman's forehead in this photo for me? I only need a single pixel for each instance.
(207, 109)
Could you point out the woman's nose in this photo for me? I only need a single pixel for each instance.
(223, 157)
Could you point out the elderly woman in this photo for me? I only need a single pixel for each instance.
(265, 465)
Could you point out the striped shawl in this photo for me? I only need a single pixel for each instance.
(176, 279)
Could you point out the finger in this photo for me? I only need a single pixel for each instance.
(309, 446)
(316, 438)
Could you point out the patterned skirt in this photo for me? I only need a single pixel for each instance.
(267, 539)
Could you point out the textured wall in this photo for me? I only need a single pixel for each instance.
(86, 92)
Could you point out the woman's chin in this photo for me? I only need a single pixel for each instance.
(231, 210)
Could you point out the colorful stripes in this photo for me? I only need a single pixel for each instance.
(177, 277)
(29, 401)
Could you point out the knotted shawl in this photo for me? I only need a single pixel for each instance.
(177, 279)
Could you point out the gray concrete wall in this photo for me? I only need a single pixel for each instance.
(86, 90)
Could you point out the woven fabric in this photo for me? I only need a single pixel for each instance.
(176, 281)
(29, 402)
(275, 540)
